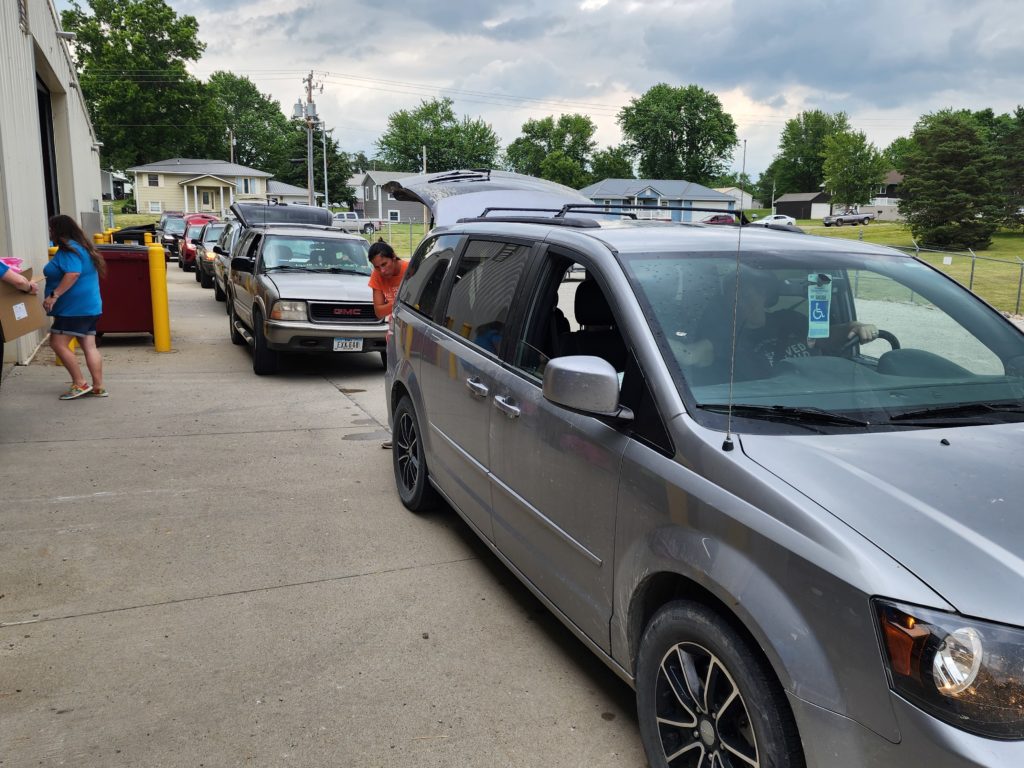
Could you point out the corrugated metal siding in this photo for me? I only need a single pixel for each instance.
(27, 51)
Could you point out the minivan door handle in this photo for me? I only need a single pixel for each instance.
(504, 404)
(477, 387)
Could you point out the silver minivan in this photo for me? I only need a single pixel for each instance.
(772, 480)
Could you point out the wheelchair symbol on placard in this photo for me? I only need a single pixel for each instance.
(819, 312)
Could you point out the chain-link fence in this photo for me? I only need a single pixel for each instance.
(999, 281)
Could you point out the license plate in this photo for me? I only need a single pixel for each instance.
(347, 345)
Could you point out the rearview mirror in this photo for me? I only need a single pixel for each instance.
(241, 264)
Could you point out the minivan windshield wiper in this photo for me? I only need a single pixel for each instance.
(961, 411)
(804, 415)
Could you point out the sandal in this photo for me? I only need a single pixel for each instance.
(76, 392)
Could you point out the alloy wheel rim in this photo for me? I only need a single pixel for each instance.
(702, 718)
(407, 448)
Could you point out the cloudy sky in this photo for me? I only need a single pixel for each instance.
(885, 63)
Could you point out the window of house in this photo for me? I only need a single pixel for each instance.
(206, 198)
(394, 215)
(390, 196)
(485, 284)
(153, 180)
(155, 206)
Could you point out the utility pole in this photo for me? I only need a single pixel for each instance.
(231, 145)
(323, 133)
(307, 112)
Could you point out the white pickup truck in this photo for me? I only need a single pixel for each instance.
(352, 221)
(848, 217)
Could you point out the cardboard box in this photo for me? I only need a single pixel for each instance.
(21, 312)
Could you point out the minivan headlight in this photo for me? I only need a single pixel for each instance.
(966, 672)
(288, 310)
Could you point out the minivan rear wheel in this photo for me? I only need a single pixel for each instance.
(407, 457)
(704, 697)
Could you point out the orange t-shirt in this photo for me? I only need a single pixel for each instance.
(389, 286)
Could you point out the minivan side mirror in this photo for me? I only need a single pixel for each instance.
(218, 249)
(584, 383)
(241, 264)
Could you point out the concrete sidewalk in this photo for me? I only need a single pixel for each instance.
(213, 568)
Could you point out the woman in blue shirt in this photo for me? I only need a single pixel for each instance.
(73, 300)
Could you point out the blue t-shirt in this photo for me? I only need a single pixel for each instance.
(3, 269)
(83, 298)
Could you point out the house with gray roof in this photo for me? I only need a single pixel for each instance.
(188, 185)
(379, 204)
(654, 194)
(279, 192)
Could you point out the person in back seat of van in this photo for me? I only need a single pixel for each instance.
(763, 338)
(388, 271)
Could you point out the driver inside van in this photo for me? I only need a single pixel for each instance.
(763, 338)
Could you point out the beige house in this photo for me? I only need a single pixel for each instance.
(49, 156)
(187, 186)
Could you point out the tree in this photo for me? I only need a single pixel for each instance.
(450, 144)
(131, 56)
(799, 165)
(611, 163)
(853, 168)
(950, 191)
(893, 154)
(732, 179)
(679, 133)
(256, 121)
(557, 150)
(765, 188)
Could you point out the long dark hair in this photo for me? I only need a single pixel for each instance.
(64, 229)
(381, 248)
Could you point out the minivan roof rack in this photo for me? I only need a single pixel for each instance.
(602, 208)
(579, 223)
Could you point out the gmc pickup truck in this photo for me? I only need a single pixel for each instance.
(351, 221)
(848, 217)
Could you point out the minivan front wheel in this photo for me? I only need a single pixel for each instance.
(414, 489)
(705, 700)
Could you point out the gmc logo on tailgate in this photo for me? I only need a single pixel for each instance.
(347, 311)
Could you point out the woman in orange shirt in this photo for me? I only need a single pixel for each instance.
(388, 271)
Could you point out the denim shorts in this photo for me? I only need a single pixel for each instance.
(75, 326)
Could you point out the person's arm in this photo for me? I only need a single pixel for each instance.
(20, 282)
(62, 287)
(381, 306)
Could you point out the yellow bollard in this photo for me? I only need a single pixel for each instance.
(97, 239)
(147, 238)
(158, 294)
(108, 235)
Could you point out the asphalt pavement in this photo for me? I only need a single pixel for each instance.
(210, 568)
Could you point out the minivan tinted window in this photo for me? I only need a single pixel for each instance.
(485, 284)
(426, 272)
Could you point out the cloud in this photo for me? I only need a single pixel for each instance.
(883, 63)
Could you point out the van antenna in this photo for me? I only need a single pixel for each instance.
(727, 444)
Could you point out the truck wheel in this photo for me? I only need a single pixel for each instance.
(368, 229)
(236, 338)
(264, 359)
(218, 294)
(205, 280)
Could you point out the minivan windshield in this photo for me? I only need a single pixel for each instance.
(847, 340)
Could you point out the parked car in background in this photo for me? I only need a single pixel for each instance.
(222, 256)
(187, 245)
(774, 218)
(300, 288)
(803, 545)
(719, 218)
(205, 257)
(353, 221)
(849, 216)
(172, 226)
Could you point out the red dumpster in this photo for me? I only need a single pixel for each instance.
(127, 303)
